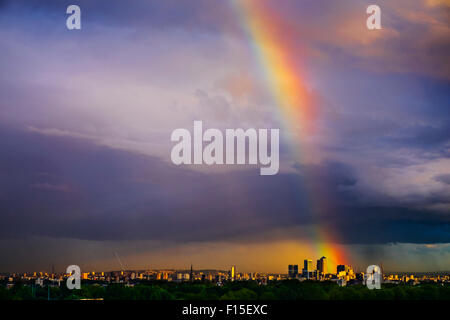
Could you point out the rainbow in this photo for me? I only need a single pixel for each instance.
(282, 74)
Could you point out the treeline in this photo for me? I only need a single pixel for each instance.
(245, 290)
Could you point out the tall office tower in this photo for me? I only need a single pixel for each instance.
(322, 265)
(308, 265)
(233, 273)
(307, 269)
(293, 270)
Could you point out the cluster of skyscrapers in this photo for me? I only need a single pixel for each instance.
(308, 270)
(343, 274)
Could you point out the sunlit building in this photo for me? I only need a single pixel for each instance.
(322, 266)
(308, 270)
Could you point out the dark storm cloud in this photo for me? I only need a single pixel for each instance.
(432, 106)
(414, 27)
(423, 136)
(331, 172)
(388, 113)
(72, 188)
(68, 187)
(3, 4)
(377, 225)
(444, 178)
(210, 16)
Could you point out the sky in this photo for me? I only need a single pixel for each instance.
(86, 117)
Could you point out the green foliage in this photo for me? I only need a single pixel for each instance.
(242, 294)
(237, 290)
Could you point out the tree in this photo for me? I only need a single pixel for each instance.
(242, 294)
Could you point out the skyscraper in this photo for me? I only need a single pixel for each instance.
(307, 269)
(233, 273)
(322, 266)
(308, 265)
(293, 270)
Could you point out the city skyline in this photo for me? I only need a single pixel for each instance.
(292, 271)
(86, 118)
(230, 284)
(342, 272)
